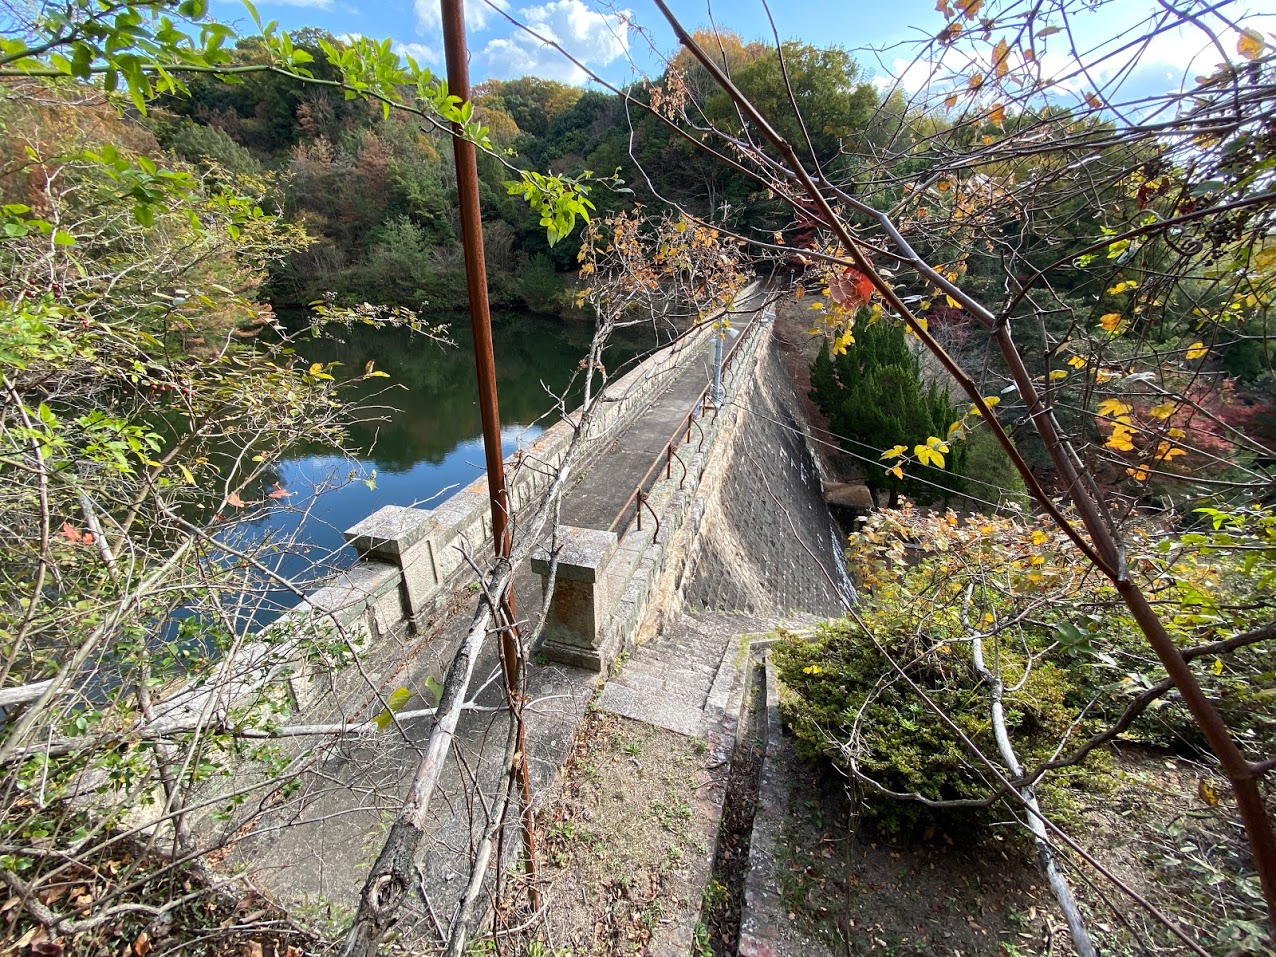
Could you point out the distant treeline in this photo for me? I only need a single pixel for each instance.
(378, 195)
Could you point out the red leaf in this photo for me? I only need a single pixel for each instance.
(278, 492)
(852, 289)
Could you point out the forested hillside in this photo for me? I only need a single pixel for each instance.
(378, 193)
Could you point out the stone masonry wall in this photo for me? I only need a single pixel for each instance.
(765, 542)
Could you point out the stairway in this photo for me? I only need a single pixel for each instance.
(690, 679)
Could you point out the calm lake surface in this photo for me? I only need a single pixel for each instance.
(422, 438)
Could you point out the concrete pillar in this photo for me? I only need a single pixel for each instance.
(402, 537)
(578, 613)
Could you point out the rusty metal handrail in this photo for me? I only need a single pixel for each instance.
(638, 498)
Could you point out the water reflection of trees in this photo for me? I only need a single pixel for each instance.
(428, 405)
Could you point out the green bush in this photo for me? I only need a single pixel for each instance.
(874, 398)
(999, 480)
(1068, 652)
(844, 701)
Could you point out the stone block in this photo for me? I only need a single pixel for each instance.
(578, 611)
(390, 532)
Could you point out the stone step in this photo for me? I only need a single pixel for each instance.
(675, 669)
(662, 711)
(691, 695)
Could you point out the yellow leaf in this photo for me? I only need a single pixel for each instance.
(1077, 362)
(1139, 474)
(1197, 350)
(1038, 537)
(976, 81)
(929, 455)
(1123, 286)
(1057, 374)
(969, 8)
(1162, 411)
(1176, 434)
(894, 453)
(186, 473)
(997, 116)
(1166, 451)
(1001, 58)
(1110, 322)
(1206, 790)
(1120, 440)
(1249, 44)
(1113, 407)
(896, 471)
(1218, 666)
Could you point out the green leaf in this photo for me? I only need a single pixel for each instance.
(394, 704)
(435, 689)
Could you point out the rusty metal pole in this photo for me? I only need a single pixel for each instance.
(458, 81)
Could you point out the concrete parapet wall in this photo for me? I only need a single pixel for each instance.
(639, 568)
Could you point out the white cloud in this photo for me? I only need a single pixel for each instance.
(478, 14)
(593, 38)
(424, 54)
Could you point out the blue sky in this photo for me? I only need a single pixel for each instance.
(627, 38)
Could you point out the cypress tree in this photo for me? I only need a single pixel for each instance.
(875, 399)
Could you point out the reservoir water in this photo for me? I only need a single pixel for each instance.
(420, 436)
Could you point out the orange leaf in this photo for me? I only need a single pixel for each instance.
(278, 492)
(234, 499)
(852, 289)
(1110, 322)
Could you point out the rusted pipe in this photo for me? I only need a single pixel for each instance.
(458, 81)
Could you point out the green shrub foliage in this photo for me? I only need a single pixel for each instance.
(874, 398)
(1069, 657)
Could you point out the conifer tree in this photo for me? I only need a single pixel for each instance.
(874, 397)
